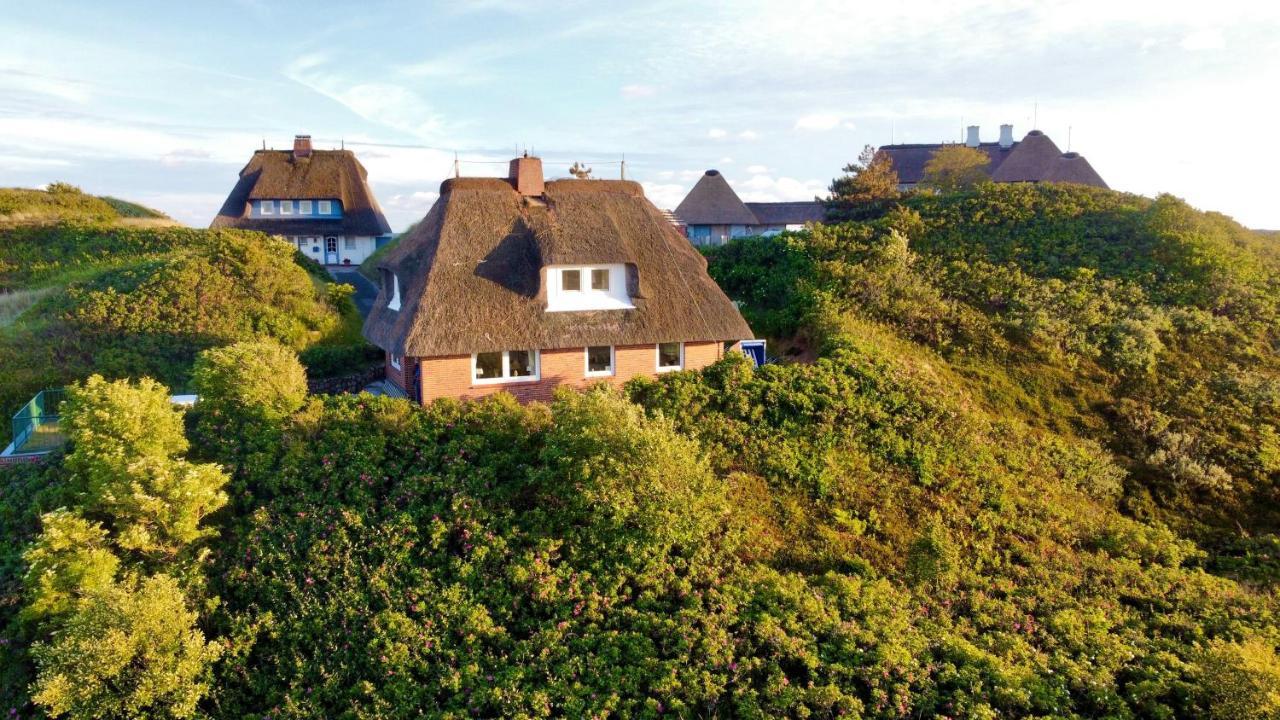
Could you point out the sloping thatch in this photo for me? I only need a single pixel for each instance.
(713, 202)
(324, 175)
(796, 212)
(1035, 158)
(471, 273)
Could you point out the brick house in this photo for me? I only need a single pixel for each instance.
(319, 200)
(520, 285)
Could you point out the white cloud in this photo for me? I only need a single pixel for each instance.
(1204, 39)
(765, 188)
(823, 121)
(726, 160)
(757, 169)
(638, 91)
(664, 195)
(384, 103)
(716, 133)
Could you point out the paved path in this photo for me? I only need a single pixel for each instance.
(366, 291)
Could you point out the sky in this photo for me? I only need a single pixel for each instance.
(163, 103)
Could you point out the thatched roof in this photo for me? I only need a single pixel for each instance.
(713, 202)
(1035, 158)
(795, 212)
(471, 280)
(322, 175)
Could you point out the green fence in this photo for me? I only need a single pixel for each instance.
(35, 426)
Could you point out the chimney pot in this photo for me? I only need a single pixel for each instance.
(1006, 136)
(526, 175)
(972, 139)
(301, 146)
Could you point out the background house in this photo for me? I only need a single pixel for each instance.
(520, 285)
(318, 199)
(712, 213)
(1035, 158)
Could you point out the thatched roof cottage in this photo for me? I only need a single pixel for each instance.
(712, 213)
(521, 284)
(1034, 158)
(317, 199)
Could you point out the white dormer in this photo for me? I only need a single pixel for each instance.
(587, 287)
(394, 302)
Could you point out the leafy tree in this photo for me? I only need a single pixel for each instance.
(131, 650)
(955, 167)
(261, 378)
(69, 561)
(867, 186)
(111, 423)
(1241, 681)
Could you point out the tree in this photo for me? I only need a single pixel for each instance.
(1241, 680)
(111, 423)
(956, 167)
(68, 561)
(867, 186)
(126, 652)
(258, 377)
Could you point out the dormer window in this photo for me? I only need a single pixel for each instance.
(325, 207)
(304, 207)
(587, 287)
(394, 302)
(267, 207)
(286, 207)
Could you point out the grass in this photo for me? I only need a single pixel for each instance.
(14, 303)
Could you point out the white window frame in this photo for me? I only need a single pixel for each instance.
(591, 279)
(506, 370)
(394, 304)
(304, 207)
(395, 361)
(266, 207)
(616, 297)
(286, 207)
(565, 272)
(613, 363)
(324, 207)
(657, 359)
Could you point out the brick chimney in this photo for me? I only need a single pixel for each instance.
(526, 175)
(1006, 136)
(301, 146)
(972, 139)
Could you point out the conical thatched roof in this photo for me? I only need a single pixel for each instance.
(1029, 160)
(1073, 168)
(322, 175)
(713, 202)
(471, 273)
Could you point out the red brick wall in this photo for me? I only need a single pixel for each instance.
(451, 376)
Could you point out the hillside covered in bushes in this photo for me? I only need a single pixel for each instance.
(85, 290)
(1021, 463)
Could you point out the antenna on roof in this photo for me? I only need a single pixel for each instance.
(264, 143)
(456, 172)
(624, 166)
(342, 143)
(891, 138)
(1068, 138)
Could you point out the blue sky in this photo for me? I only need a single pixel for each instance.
(164, 102)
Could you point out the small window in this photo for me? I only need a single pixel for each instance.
(599, 360)
(571, 280)
(325, 207)
(600, 279)
(489, 366)
(511, 365)
(267, 207)
(350, 243)
(286, 207)
(670, 356)
(394, 302)
(304, 207)
(395, 362)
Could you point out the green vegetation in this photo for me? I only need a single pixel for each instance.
(955, 167)
(61, 202)
(89, 293)
(1026, 471)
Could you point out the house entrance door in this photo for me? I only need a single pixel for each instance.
(331, 250)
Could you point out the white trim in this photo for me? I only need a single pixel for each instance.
(584, 298)
(657, 359)
(395, 361)
(304, 207)
(286, 207)
(506, 369)
(586, 363)
(394, 302)
(324, 207)
(266, 207)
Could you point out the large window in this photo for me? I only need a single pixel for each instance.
(267, 207)
(325, 207)
(505, 366)
(588, 287)
(599, 361)
(304, 207)
(670, 356)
